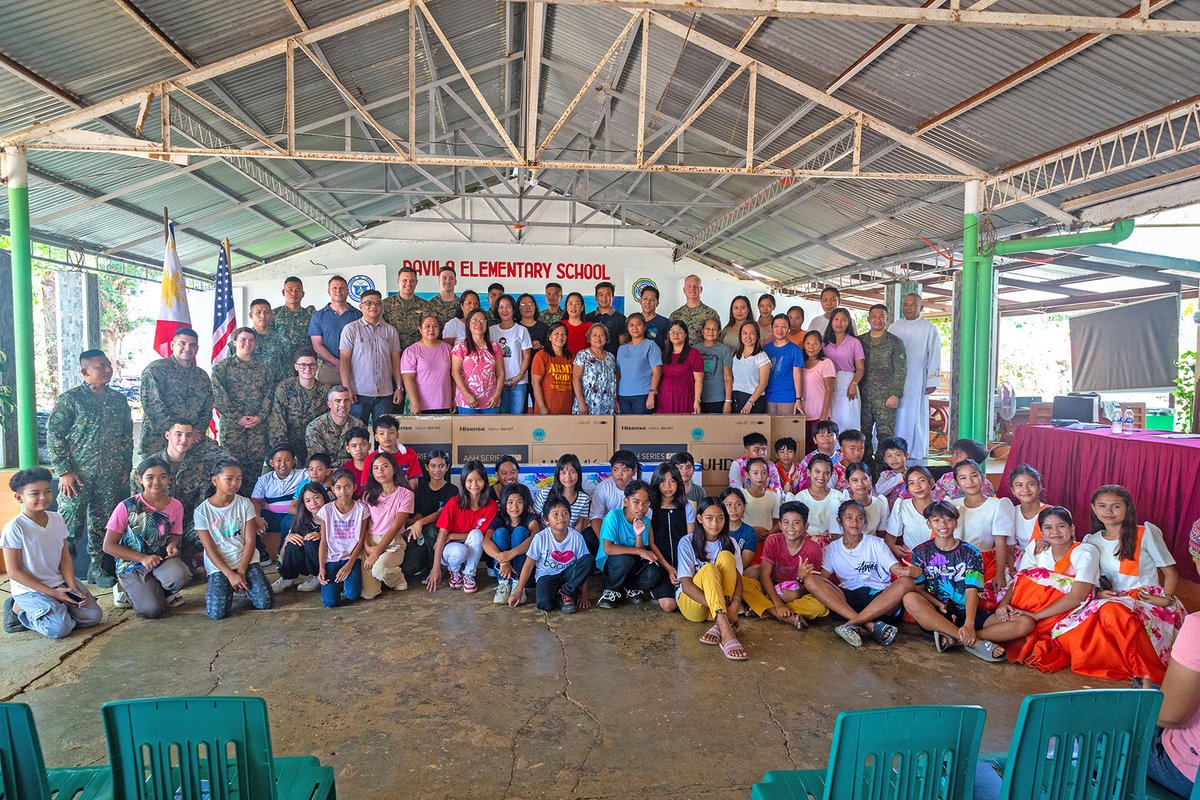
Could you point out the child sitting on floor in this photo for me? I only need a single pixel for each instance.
(754, 445)
(686, 465)
(143, 535)
(559, 561)
(987, 523)
(906, 525)
(343, 525)
(626, 558)
(762, 504)
(317, 470)
(821, 499)
(433, 492)
(890, 483)
(951, 573)
(1025, 486)
(300, 551)
(744, 535)
(710, 579)
(788, 558)
(387, 440)
(389, 504)
(461, 524)
(858, 479)
(358, 447)
(227, 526)
(506, 537)
(947, 487)
(790, 473)
(825, 436)
(272, 496)
(508, 472)
(872, 582)
(46, 596)
(672, 519)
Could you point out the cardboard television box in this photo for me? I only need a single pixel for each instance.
(532, 439)
(714, 440)
(425, 434)
(794, 427)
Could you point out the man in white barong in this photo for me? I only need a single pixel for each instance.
(923, 345)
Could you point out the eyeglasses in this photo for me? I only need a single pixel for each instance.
(370, 303)
(306, 366)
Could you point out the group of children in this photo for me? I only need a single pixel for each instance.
(792, 540)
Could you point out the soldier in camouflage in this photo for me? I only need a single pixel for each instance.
(270, 348)
(446, 305)
(553, 312)
(292, 318)
(694, 313)
(403, 311)
(242, 391)
(192, 457)
(174, 388)
(884, 370)
(324, 434)
(90, 436)
(298, 401)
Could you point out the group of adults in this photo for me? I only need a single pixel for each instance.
(303, 376)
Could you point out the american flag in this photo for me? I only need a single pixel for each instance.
(224, 316)
(224, 320)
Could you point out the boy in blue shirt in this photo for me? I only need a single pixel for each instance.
(630, 567)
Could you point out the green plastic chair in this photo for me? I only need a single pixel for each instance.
(916, 752)
(23, 774)
(204, 748)
(1091, 744)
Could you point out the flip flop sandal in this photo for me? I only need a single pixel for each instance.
(987, 651)
(796, 621)
(849, 634)
(727, 649)
(942, 642)
(712, 635)
(884, 633)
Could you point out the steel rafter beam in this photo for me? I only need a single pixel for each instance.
(876, 13)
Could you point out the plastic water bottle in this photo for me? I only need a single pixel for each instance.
(1127, 422)
(1116, 420)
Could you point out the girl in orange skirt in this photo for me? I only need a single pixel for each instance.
(987, 523)
(1049, 585)
(1025, 486)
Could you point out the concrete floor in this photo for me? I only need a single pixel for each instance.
(450, 696)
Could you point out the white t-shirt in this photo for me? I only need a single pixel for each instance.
(877, 516)
(745, 373)
(1154, 554)
(907, 524)
(513, 342)
(550, 556)
(41, 548)
(454, 329)
(342, 531)
(822, 514)
(761, 512)
(1085, 562)
(687, 565)
(868, 564)
(1023, 528)
(227, 527)
(276, 491)
(983, 525)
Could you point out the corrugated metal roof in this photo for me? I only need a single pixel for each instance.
(926, 72)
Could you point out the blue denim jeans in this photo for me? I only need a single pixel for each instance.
(570, 580)
(464, 410)
(218, 599)
(507, 539)
(351, 588)
(1162, 770)
(370, 409)
(632, 404)
(512, 401)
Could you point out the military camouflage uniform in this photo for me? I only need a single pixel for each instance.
(190, 479)
(241, 388)
(91, 435)
(293, 325)
(446, 310)
(323, 435)
(272, 350)
(171, 392)
(292, 408)
(550, 317)
(884, 371)
(405, 317)
(695, 318)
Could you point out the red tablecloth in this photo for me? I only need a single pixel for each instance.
(1163, 475)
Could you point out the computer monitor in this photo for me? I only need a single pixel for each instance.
(1085, 408)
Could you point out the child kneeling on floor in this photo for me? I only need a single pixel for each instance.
(143, 535)
(709, 568)
(951, 573)
(344, 524)
(227, 526)
(562, 562)
(46, 596)
(873, 582)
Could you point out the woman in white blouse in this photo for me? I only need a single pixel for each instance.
(751, 372)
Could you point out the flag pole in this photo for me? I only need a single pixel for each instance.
(166, 225)
(228, 254)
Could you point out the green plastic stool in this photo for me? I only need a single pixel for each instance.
(1086, 745)
(23, 773)
(204, 748)
(904, 752)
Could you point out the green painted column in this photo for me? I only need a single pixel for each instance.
(966, 341)
(22, 282)
(985, 343)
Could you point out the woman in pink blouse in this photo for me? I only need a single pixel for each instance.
(478, 368)
(842, 347)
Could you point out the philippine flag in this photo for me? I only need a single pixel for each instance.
(173, 311)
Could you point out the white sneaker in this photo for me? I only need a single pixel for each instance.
(175, 600)
(310, 584)
(264, 561)
(503, 591)
(120, 599)
(282, 584)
